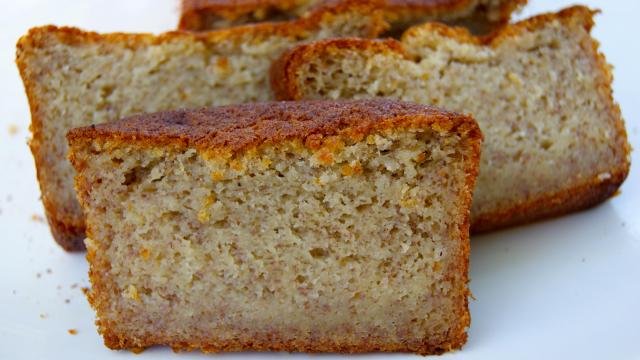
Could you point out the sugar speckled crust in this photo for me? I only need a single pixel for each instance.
(241, 127)
(582, 196)
(67, 228)
(194, 13)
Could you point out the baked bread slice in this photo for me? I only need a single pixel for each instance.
(75, 78)
(302, 226)
(555, 141)
(479, 15)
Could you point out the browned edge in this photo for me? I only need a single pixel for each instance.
(195, 12)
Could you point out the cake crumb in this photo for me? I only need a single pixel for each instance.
(67, 301)
(72, 331)
(43, 315)
(49, 271)
(137, 350)
(74, 285)
(145, 253)
(13, 129)
(132, 293)
(38, 275)
(37, 218)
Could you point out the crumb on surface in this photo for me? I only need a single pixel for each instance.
(49, 271)
(72, 331)
(137, 350)
(13, 129)
(74, 285)
(37, 218)
(38, 275)
(43, 315)
(67, 301)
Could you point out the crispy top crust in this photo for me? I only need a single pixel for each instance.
(199, 5)
(194, 11)
(238, 127)
(191, 13)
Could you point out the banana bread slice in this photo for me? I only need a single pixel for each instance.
(75, 78)
(540, 90)
(479, 15)
(302, 226)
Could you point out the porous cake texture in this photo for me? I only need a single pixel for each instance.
(479, 15)
(555, 140)
(304, 226)
(75, 78)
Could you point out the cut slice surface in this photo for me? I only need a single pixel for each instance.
(311, 226)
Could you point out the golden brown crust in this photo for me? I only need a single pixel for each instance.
(193, 18)
(581, 196)
(196, 14)
(578, 197)
(276, 343)
(236, 128)
(67, 228)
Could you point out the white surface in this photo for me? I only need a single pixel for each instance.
(567, 288)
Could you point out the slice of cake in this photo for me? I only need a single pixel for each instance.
(310, 226)
(75, 78)
(479, 15)
(539, 89)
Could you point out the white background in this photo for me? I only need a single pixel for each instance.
(565, 288)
